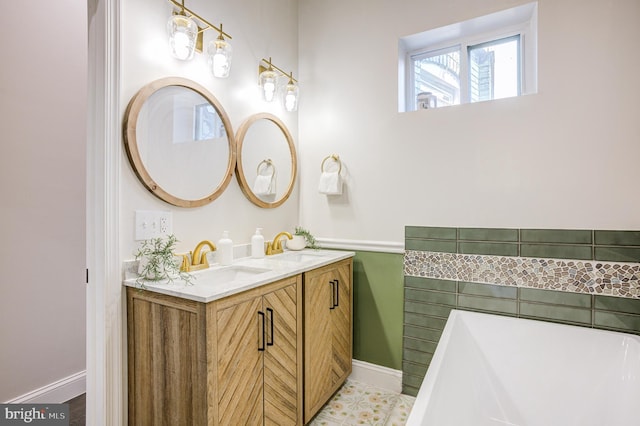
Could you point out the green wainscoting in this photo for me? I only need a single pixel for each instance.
(378, 292)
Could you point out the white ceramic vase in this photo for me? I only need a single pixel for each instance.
(297, 243)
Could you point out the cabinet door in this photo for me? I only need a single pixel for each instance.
(240, 368)
(342, 349)
(318, 356)
(167, 372)
(280, 358)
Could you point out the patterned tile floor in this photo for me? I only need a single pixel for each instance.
(360, 404)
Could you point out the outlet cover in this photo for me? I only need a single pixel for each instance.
(152, 224)
(166, 225)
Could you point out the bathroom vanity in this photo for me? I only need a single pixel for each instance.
(264, 341)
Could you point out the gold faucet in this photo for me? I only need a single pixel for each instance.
(275, 246)
(198, 260)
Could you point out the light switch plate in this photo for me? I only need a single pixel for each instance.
(152, 224)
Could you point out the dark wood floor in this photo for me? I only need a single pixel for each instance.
(77, 410)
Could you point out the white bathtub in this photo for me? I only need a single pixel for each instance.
(493, 370)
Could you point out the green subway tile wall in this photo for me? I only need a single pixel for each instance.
(497, 249)
(488, 234)
(426, 313)
(617, 238)
(428, 301)
(566, 251)
(609, 246)
(556, 236)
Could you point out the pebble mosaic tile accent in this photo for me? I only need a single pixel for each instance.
(577, 276)
(360, 404)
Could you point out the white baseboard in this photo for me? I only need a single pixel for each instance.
(57, 392)
(377, 375)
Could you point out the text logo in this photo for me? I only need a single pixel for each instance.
(34, 414)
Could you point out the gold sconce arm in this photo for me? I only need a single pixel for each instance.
(209, 25)
(267, 79)
(270, 66)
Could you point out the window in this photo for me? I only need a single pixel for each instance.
(496, 60)
(438, 73)
(494, 69)
(208, 124)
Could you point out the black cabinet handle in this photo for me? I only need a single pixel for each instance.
(261, 314)
(333, 295)
(270, 311)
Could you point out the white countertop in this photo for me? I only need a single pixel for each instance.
(209, 284)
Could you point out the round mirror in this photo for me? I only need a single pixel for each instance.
(267, 162)
(179, 141)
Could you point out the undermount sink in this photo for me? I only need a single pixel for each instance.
(227, 274)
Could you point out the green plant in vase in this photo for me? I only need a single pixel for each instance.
(310, 240)
(157, 261)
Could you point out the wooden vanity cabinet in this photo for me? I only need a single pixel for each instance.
(259, 357)
(328, 333)
(233, 361)
(272, 355)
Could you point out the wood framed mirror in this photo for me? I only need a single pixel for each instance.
(267, 162)
(179, 142)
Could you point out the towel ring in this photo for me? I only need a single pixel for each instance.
(333, 157)
(268, 163)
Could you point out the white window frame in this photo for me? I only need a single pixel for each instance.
(494, 27)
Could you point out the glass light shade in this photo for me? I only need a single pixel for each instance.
(268, 84)
(291, 97)
(183, 32)
(220, 57)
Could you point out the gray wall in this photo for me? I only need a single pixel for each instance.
(42, 179)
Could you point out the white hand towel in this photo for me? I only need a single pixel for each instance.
(330, 183)
(264, 185)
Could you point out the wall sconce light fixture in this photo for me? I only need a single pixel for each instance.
(291, 95)
(186, 37)
(268, 83)
(220, 56)
(183, 35)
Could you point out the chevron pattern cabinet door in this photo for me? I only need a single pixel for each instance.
(317, 340)
(341, 325)
(240, 366)
(328, 334)
(280, 358)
